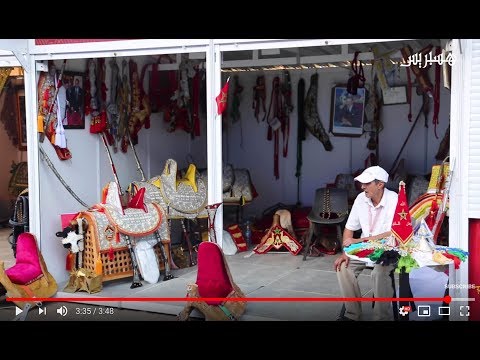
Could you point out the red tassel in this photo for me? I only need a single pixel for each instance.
(98, 266)
(70, 260)
(430, 220)
(117, 236)
(110, 253)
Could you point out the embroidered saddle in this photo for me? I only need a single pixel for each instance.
(133, 221)
(182, 198)
(111, 225)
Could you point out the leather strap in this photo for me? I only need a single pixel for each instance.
(409, 94)
(287, 108)
(195, 103)
(227, 312)
(300, 132)
(259, 97)
(436, 91)
(276, 104)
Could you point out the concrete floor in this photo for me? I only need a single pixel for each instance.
(276, 275)
(273, 274)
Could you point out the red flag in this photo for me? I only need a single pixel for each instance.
(402, 223)
(222, 98)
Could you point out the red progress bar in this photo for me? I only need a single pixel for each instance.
(447, 299)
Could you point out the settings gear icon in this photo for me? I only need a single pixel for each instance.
(403, 311)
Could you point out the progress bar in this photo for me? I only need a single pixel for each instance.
(462, 299)
(446, 299)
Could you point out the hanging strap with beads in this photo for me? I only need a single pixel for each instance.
(274, 123)
(212, 213)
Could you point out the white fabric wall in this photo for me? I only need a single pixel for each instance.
(319, 166)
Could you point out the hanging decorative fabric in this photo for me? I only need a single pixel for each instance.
(178, 111)
(237, 92)
(112, 104)
(402, 223)
(196, 102)
(60, 139)
(47, 108)
(123, 102)
(139, 105)
(274, 123)
(409, 94)
(358, 78)
(98, 122)
(420, 71)
(4, 74)
(287, 108)
(312, 119)
(444, 147)
(300, 133)
(221, 98)
(436, 91)
(259, 98)
(162, 84)
(8, 113)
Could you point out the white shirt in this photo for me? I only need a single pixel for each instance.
(373, 220)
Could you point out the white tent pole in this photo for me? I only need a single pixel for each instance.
(214, 136)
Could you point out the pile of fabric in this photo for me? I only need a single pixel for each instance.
(409, 245)
(417, 253)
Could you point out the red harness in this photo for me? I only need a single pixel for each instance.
(259, 97)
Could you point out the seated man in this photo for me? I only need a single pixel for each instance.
(372, 212)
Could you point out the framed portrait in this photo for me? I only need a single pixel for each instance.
(72, 110)
(395, 95)
(21, 118)
(347, 112)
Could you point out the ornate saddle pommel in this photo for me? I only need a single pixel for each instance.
(188, 195)
(189, 178)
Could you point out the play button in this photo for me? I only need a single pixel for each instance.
(18, 310)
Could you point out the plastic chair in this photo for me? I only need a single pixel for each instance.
(329, 208)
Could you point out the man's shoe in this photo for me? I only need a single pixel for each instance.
(344, 318)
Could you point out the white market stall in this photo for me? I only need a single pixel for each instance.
(49, 199)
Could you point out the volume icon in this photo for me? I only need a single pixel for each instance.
(62, 310)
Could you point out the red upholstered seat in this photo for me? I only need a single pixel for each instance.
(212, 276)
(27, 267)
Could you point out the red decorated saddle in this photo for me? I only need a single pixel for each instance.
(214, 282)
(29, 277)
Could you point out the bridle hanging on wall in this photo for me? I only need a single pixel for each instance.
(358, 78)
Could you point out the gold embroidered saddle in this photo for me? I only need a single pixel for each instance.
(179, 198)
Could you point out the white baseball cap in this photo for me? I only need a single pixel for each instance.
(372, 173)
